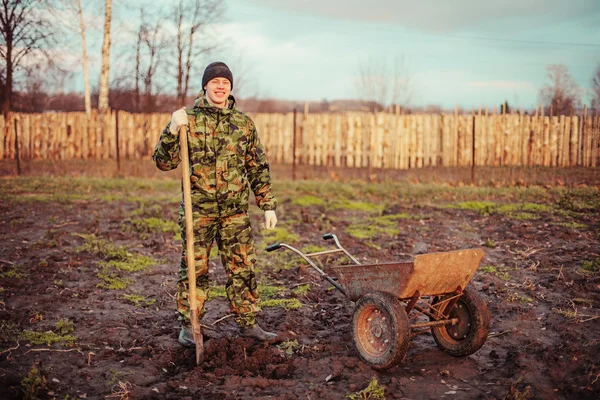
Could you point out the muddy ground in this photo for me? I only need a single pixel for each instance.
(89, 265)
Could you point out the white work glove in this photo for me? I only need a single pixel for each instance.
(270, 219)
(178, 118)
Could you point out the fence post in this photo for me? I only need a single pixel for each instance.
(473, 153)
(294, 149)
(17, 148)
(117, 140)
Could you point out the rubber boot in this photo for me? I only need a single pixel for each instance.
(256, 332)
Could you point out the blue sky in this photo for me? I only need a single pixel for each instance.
(460, 51)
(468, 52)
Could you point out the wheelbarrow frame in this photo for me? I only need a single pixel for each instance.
(433, 298)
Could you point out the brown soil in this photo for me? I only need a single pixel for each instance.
(126, 351)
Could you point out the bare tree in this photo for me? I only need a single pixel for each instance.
(24, 30)
(191, 18)
(596, 89)
(380, 85)
(103, 96)
(150, 46)
(86, 78)
(562, 93)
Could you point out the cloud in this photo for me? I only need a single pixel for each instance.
(440, 16)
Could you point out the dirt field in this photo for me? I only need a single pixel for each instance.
(89, 265)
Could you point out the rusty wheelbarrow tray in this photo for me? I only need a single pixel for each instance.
(390, 298)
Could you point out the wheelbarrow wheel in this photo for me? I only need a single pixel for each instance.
(380, 330)
(471, 331)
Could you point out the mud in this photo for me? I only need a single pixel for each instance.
(543, 344)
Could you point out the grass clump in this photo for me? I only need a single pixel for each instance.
(33, 382)
(313, 249)
(516, 297)
(9, 332)
(111, 280)
(11, 271)
(301, 290)
(48, 337)
(573, 225)
(289, 347)
(100, 247)
(138, 300)
(217, 291)
(358, 206)
(267, 292)
(496, 271)
(132, 263)
(373, 227)
(64, 326)
(371, 392)
(288, 304)
(307, 201)
(280, 235)
(591, 265)
(521, 211)
(152, 225)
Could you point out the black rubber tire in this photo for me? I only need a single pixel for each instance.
(379, 317)
(472, 330)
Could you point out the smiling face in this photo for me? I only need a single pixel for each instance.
(217, 91)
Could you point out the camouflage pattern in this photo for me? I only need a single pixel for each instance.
(227, 159)
(233, 235)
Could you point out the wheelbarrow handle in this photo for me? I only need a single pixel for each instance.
(273, 247)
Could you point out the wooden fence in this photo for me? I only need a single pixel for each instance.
(381, 140)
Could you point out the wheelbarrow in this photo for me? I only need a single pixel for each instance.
(395, 301)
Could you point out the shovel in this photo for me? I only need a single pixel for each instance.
(189, 238)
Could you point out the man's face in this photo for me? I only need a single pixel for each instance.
(217, 91)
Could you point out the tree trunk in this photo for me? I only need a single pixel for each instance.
(8, 90)
(86, 78)
(103, 97)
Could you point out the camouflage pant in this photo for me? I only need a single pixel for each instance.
(234, 239)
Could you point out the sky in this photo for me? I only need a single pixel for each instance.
(464, 52)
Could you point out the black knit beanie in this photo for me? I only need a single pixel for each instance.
(217, 69)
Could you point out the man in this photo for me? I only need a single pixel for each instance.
(226, 159)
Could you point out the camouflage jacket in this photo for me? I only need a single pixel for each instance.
(226, 160)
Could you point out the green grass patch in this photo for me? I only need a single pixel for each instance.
(490, 243)
(301, 290)
(588, 302)
(307, 201)
(151, 225)
(591, 265)
(520, 211)
(373, 227)
(313, 249)
(279, 235)
(371, 392)
(138, 300)
(573, 225)
(268, 292)
(11, 271)
(9, 332)
(217, 291)
(132, 263)
(358, 206)
(111, 280)
(496, 271)
(516, 297)
(288, 304)
(64, 326)
(48, 337)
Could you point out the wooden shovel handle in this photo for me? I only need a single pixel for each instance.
(189, 238)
